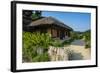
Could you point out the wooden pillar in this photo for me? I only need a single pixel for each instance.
(51, 33)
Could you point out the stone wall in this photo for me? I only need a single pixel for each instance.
(71, 52)
(57, 53)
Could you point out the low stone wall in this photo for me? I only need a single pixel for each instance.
(71, 52)
(57, 53)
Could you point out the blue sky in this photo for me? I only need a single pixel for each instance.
(78, 21)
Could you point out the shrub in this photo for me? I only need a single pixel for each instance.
(87, 38)
(74, 35)
(56, 43)
(43, 57)
(31, 43)
(67, 42)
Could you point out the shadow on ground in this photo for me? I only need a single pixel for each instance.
(75, 56)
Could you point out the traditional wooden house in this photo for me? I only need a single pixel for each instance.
(50, 25)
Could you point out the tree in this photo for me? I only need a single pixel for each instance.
(36, 15)
(27, 16)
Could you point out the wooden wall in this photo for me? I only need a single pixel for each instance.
(56, 32)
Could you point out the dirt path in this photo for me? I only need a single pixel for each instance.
(79, 50)
(75, 51)
(78, 42)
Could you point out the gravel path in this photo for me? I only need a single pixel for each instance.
(78, 42)
(79, 50)
(75, 51)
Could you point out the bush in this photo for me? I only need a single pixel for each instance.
(56, 43)
(88, 44)
(31, 43)
(75, 35)
(67, 42)
(43, 57)
(87, 38)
